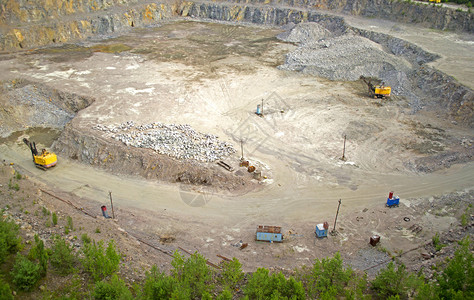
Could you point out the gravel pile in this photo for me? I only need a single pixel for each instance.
(343, 57)
(178, 141)
(305, 34)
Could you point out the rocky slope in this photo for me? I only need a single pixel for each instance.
(28, 24)
(27, 104)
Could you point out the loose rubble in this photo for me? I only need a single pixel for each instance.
(178, 141)
(338, 57)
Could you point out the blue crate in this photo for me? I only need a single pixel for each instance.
(321, 231)
(393, 202)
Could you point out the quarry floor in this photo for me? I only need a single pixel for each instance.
(212, 76)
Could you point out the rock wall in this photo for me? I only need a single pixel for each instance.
(33, 24)
(425, 14)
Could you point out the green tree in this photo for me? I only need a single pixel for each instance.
(158, 285)
(393, 281)
(231, 273)
(113, 289)
(225, 295)
(327, 278)
(62, 256)
(39, 253)
(263, 285)
(193, 275)
(5, 291)
(100, 262)
(25, 273)
(456, 280)
(9, 239)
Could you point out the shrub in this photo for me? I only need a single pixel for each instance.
(62, 257)
(100, 262)
(12, 186)
(158, 285)
(193, 275)
(326, 278)
(112, 289)
(85, 238)
(5, 291)
(55, 219)
(18, 175)
(46, 212)
(437, 242)
(25, 273)
(69, 223)
(225, 295)
(232, 273)
(262, 285)
(391, 282)
(456, 281)
(38, 252)
(9, 239)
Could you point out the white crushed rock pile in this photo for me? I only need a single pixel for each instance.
(178, 141)
(343, 57)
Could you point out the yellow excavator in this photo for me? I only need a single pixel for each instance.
(43, 161)
(377, 91)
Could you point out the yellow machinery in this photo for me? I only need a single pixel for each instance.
(435, 1)
(45, 160)
(377, 91)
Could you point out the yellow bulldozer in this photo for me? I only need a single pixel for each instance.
(43, 161)
(377, 91)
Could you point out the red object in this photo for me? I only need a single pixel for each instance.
(104, 208)
(326, 225)
(390, 195)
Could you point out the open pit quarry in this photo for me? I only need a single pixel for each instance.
(156, 103)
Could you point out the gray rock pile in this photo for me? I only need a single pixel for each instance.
(178, 141)
(339, 57)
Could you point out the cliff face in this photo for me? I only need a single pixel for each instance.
(396, 10)
(33, 23)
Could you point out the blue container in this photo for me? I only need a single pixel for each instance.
(259, 112)
(269, 234)
(393, 202)
(321, 231)
(269, 237)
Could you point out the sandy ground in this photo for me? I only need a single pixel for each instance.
(212, 76)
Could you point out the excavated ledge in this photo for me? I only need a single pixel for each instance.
(108, 154)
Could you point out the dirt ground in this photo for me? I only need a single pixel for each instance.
(212, 76)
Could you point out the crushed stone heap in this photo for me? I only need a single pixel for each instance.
(178, 141)
(340, 57)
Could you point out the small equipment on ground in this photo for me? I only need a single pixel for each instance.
(322, 230)
(392, 201)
